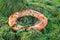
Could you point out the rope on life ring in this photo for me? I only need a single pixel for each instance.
(14, 17)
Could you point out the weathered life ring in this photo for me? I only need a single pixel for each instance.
(14, 17)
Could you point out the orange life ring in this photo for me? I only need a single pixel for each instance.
(14, 17)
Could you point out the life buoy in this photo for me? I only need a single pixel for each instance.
(14, 17)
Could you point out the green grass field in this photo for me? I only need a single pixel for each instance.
(49, 8)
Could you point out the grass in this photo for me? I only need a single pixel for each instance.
(27, 21)
(49, 8)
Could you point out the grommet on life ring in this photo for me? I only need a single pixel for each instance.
(14, 17)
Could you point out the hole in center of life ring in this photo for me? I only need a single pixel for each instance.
(27, 21)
